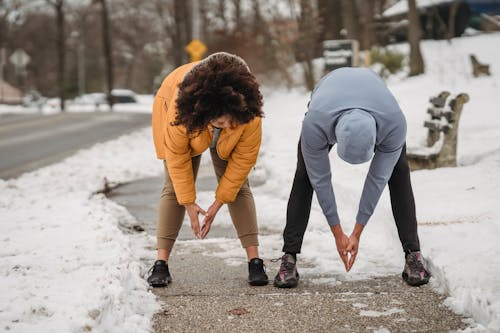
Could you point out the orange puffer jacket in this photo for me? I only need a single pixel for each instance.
(239, 145)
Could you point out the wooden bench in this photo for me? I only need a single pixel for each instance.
(441, 146)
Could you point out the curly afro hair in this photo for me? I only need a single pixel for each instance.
(220, 85)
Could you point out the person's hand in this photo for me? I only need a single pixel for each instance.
(352, 249)
(342, 241)
(209, 218)
(353, 244)
(193, 211)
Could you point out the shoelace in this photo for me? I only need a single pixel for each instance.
(255, 268)
(158, 267)
(285, 265)
(416, 263)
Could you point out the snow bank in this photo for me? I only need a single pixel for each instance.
(65, 264)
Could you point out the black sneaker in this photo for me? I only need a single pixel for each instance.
(160, 276)
(288, 276)
(257, 273)
(414, 272)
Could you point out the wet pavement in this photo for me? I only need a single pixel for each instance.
(208, 294)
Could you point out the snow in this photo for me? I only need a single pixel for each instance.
(68, 264)
(401, 7)
(65, 265)
(370, 313)
(85, 103)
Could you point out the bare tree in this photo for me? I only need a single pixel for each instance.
(183, 31)
(106, 41)
(306, 42)
(166, 19)
(238, 20)
(257, 19)
(369, 37)
(350, 19)
(380, 6)
(78, 20)
(3, 23)
(131, 44)
(221, 11)
(330, 13)
(204, 22)
(58, 6)
(414, 36)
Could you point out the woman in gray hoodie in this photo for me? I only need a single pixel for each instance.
(352, 108)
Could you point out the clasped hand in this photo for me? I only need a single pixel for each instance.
(194, 211)
(347, 246)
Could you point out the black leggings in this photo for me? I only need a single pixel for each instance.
(402, 202)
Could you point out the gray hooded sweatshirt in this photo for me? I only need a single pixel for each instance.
(349, 93)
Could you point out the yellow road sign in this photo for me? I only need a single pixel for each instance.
(196, 49)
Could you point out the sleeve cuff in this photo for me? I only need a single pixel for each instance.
(333, 220)
(222, 199)
(362, 218)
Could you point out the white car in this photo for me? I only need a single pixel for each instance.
(120, 96)
(123, 96)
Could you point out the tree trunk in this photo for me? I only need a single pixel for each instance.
(257, 19)
(106, 40)
(179, 35)
(221, 12)
(350, 19)
(61, 52)
(130, 68)
(414, 35)
(203, 12)
(380, 6)
(369, 38)
(238, 21)
(330, 13)
(188, 22)
(306, 42)
(183, 31)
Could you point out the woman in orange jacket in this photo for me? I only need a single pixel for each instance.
(214, 103)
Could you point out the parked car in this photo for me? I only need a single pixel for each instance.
(119, 96)
(91, 99)
(34, 99)
(123, 96)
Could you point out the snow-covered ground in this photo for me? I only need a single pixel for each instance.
(51, 106)
(66, 265)
(457, 208)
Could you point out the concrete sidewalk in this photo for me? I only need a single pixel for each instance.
(208, 295)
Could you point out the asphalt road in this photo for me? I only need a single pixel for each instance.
(28, 142)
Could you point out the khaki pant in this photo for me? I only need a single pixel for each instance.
(171, 214)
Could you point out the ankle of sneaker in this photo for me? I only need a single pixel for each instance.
(161, 261)
(408, 251)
